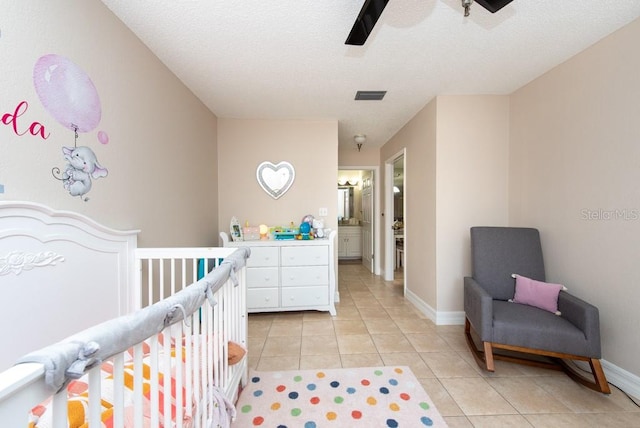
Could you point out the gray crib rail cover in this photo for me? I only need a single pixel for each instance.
(71, 357)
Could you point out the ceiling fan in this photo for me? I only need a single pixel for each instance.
(372, 9)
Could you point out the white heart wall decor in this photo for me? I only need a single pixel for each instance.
(275, 179)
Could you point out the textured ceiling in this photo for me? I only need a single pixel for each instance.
(286, 59)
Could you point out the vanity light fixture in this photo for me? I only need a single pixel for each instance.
(348, 183)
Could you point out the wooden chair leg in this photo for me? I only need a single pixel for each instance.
(599, 383)
(488, 357)
(598, 374)
(484, 359)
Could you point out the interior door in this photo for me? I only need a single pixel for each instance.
(367, 220)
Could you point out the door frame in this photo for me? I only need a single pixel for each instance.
(377, 248)
(390, 242)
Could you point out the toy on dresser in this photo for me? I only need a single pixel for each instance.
(305, 231)
(251, 233)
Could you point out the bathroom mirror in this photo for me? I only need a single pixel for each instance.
(275, 179)
(345, 202)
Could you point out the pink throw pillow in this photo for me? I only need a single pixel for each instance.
(543, 295)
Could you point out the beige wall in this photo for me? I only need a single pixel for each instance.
(244, 144)
(472, 175)
(161, 155)
(353, 157)
(456, 177)
(418, 137)
(575, 174)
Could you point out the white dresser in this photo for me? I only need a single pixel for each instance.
(290, 275)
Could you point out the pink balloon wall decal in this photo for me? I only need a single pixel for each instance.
(67, 93)
(103, 137)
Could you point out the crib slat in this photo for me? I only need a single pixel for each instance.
(150, 281)
(95, 408)
(160, 280)
(212, 339)
(118, 390)
(138, 387)
(59, 407)
(202, 378)
(173, 276)
(154, 410)
(196, 361)
(166, 376)
(189, 365)
(177, 333)
(184, 273)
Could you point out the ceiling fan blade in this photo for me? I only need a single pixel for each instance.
(367, 18)
(493, 5)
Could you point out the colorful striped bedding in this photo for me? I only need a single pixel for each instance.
(78, 392)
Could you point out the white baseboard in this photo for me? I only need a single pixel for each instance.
(438, 317)
(626, 381)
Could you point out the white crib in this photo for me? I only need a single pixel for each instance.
(152, 337)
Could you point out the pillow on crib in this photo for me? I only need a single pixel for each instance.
(236, 352)
(543, 295)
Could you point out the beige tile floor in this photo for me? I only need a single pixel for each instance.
(376, 326)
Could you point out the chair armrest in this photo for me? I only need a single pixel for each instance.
(478, 307)
(583, 315)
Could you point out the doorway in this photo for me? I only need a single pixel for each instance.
(358, 232)
(395, 219)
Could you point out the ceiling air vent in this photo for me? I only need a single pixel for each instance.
(370, 95)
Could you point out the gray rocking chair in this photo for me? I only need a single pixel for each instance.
(496, 254)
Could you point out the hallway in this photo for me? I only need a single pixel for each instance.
(376, 326)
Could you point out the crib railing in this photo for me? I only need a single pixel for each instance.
(165, 271)
(178, 376)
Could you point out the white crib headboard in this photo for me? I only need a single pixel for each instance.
(60, 272)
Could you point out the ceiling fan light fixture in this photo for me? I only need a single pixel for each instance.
(359, 139)
(466, 4)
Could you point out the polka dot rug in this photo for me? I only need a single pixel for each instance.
(360, 397)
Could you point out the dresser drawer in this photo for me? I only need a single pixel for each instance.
(262, 277)
(260, 298)
(307, 275)
(305, 256)
(305, 296)
(263, 256)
